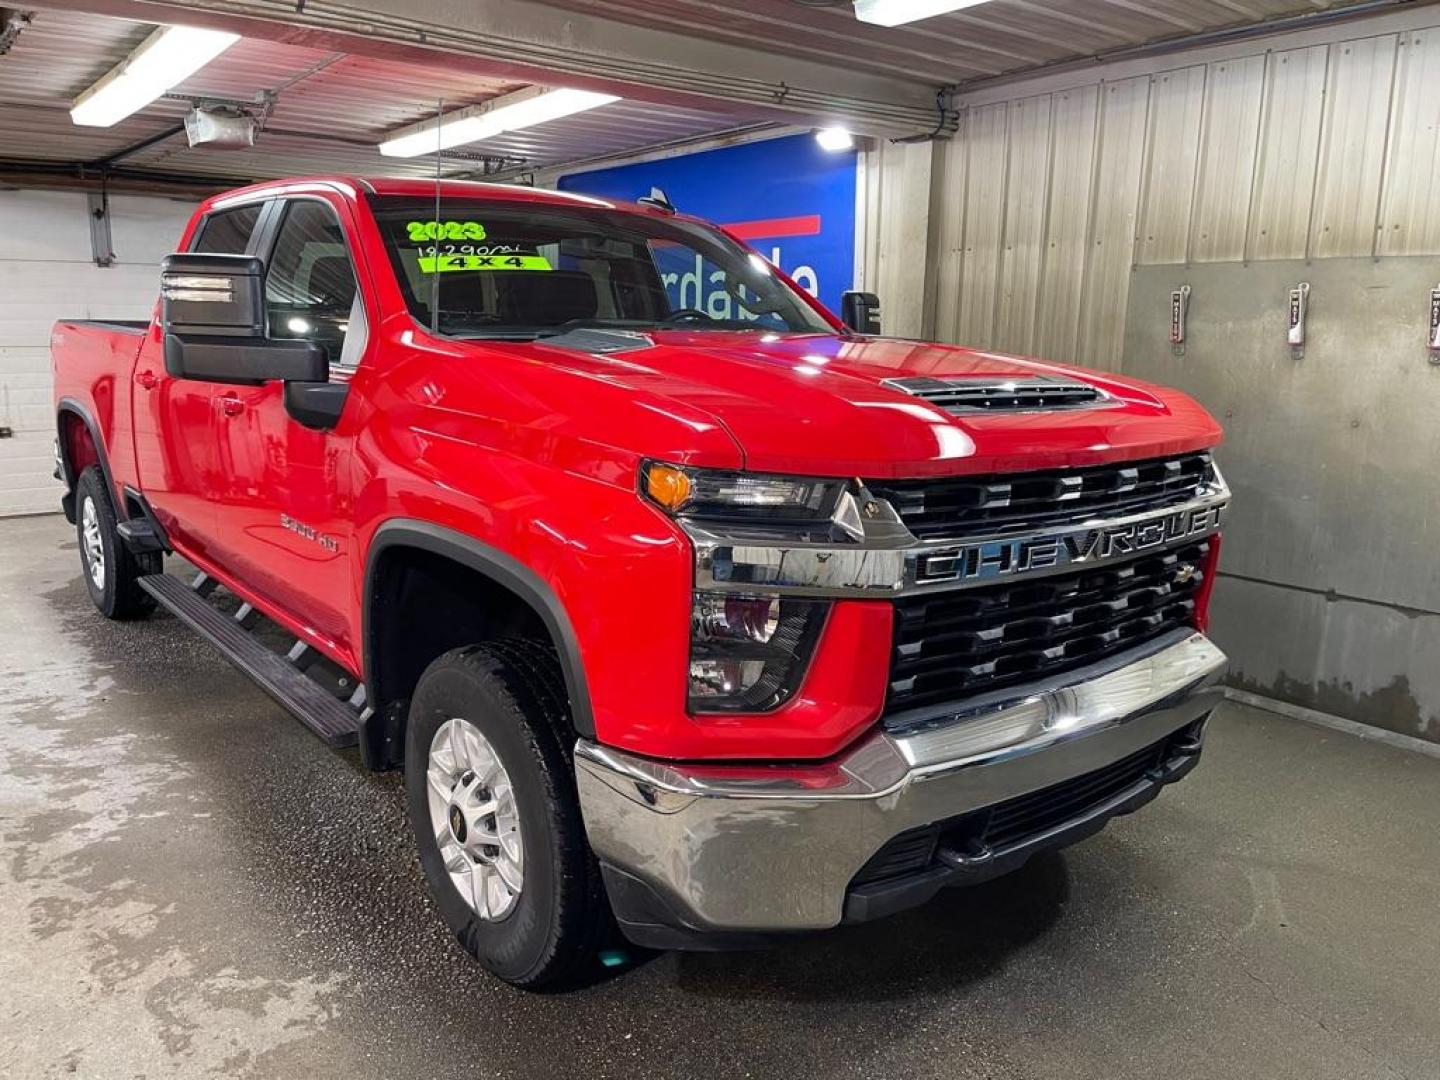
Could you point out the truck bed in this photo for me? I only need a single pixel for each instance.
(93, 362)
(123, 326)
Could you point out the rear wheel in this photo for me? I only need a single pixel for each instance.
(492, 802)
(112, 573)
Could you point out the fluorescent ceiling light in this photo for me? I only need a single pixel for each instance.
(834, 138)
(522, 109)
(165, 59)
(451, 130)
(895, 12)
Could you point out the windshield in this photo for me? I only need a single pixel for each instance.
(512, 270)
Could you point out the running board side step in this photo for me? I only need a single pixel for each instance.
(335, 721)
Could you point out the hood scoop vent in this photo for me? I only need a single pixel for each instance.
(972, 395)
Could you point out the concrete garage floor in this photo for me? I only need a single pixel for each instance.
(192, 885)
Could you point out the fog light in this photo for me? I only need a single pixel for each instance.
(723, 678)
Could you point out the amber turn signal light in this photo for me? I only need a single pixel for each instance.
(668, 486)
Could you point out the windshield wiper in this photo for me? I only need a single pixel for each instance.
(492, 335)
(597, 324)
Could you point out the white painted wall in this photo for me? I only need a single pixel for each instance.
(46, 273)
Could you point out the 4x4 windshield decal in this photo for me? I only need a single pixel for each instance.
(440, 264)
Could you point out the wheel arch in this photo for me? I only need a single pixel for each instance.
(398, 539)
(81, 445)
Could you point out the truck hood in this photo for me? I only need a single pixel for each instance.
(818, 404)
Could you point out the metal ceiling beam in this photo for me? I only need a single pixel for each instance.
(72, 176)
(538, 43)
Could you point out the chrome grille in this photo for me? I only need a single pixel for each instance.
(957, 506)
(970, 394)
(956, 644)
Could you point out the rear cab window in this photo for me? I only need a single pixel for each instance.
(227, 232)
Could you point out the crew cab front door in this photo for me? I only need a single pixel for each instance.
(181, 469)
(284, 526)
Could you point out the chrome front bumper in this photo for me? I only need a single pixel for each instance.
(734, 850)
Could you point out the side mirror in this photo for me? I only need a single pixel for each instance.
(213, 314)
(213, 295)
(860, 311)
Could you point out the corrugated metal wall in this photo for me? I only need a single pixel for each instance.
(892, 234)
(1042, 204)
(1068, 206)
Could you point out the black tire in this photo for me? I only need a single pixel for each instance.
(514, 693)
(118, 595)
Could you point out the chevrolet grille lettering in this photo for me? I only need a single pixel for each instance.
(1010, 557)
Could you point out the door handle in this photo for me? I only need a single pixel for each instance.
(230, 406)
(147, 379)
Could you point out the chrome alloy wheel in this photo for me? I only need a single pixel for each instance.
(474, 818)
(94, 550)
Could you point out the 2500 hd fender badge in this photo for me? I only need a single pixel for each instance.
(1033, 554)
(309, 532)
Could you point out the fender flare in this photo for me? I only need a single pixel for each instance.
(75, 408)
(499, 567)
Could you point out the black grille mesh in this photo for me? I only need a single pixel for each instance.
(955, 644)
(1015, 822)
(1021, 820)
(966, 505)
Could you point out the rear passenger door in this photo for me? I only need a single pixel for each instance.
(284, 527)
(183, 471)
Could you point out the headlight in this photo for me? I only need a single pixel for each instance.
(749, 653)
(736, 496)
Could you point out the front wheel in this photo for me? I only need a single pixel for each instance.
(112, 572)
(493, 805)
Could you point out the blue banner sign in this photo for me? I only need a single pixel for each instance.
(791, 200)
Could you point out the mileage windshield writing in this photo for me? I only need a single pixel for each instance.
(441, 257)
(487, 268)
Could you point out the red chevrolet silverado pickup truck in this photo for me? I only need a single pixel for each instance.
(710, 623)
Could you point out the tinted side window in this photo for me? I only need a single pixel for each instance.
(310, 286)
(227, 232)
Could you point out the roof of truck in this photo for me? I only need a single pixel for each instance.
(394, 185)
